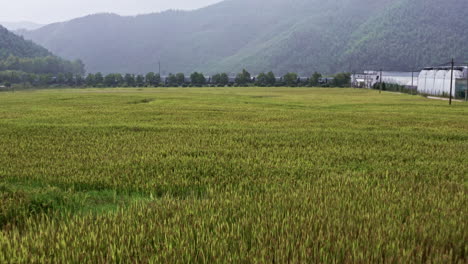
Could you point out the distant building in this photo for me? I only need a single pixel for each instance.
(369, 78)
(431, 80)
(326, 80)
(436, 80)
(363, 80)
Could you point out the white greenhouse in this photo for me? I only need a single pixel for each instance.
(436, 81)
(369, 78)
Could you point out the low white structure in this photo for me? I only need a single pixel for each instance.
(436, 80)
(407, 79)
(369, 78)
(363, 80)
(431, 80)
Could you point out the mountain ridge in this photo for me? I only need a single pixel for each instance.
(21, 25)
(299, 35)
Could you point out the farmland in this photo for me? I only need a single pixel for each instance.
(222, 175)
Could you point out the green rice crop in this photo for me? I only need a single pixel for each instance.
(232, 175)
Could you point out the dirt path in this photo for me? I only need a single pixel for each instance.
(443, 99)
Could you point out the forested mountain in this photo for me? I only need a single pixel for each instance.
(17, 54)
(410, 34)
(262, 35)
(13, 45)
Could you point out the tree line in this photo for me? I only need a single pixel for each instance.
(152, 79)
(42, 65)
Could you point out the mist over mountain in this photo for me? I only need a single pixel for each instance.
(263, 35)
(20, 25)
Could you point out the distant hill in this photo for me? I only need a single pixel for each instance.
(13, 26)
(411, 34)
(262, 35)
(13, 45)
(18, 54)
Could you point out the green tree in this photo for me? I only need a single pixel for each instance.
(31, 78)
(152, 79)
(171, 80)
(223, 79)
(109, 80)
(157, 80)
(220, 79)
(60, 79)
(215, 79)
(342, 79)
(98, 79)
(198, 79)
(69, 79)
(119, 80)
(180, 79)
(290, 79)
(140, 80)
(79, 80)
(270, 79)
(12, 63)
(45, 79)
(90, 81)
(78, 67)
(261, 80)
(42, 65)
(315, 78)
(129, 80)
(243, 78)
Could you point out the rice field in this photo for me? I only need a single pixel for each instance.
(232, 175)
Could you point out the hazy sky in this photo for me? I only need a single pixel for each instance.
(48, 11)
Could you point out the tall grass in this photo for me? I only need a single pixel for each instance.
(249, 175)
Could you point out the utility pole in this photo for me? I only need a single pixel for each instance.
(380, 91)
(466, 89)
(159, 63)
(451, 82)
(12, 86)
(412, 81)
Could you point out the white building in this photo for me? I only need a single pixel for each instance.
(407, 79)
(363, 80)
(436, 80)
(369, 78)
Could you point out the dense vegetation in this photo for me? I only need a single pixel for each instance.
(13, 45)
(24, 61)
(300, 36)
(232, 175)
(196, 79)
(42, 65)
(411, 34)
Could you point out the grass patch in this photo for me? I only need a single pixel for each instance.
(143, 101)
(20, 201)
